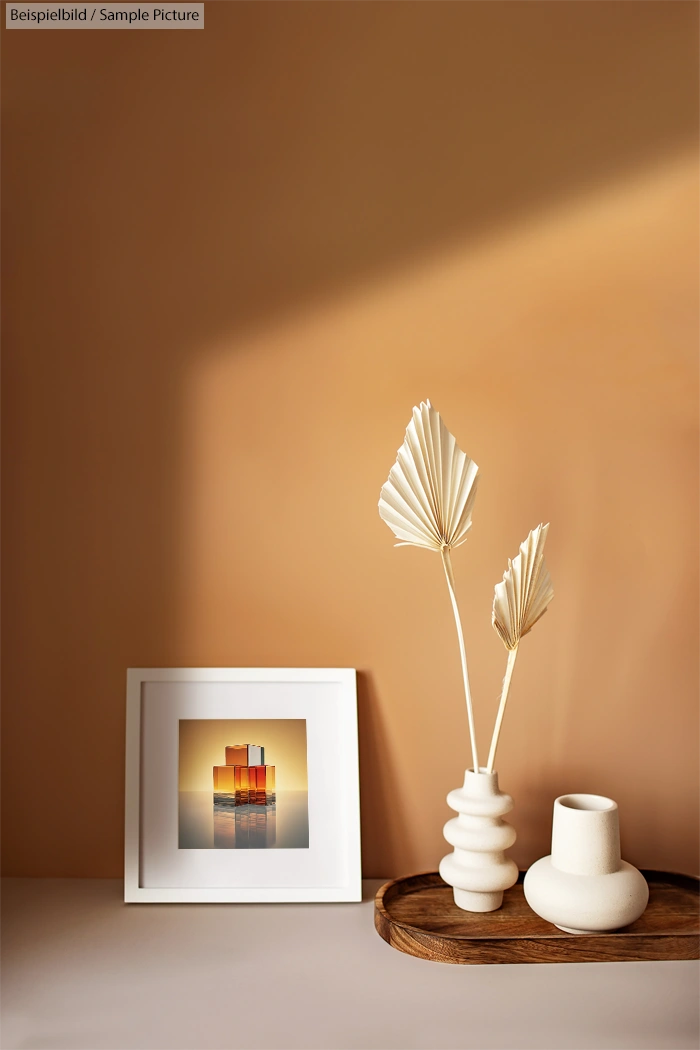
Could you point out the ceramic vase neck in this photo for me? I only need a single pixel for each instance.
(481, 784)
(586, 835)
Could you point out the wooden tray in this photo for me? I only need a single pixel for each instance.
(417, 915)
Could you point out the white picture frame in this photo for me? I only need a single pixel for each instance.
(157, 869)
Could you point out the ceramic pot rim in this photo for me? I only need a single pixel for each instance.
(585, 803)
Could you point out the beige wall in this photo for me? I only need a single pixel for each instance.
(233, 261)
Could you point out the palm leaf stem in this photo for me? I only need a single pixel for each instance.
(445, 552)
(512, 653)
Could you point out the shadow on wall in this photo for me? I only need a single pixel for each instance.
(384, 822)
(162, 190)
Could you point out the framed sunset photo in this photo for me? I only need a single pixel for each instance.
(242, 785)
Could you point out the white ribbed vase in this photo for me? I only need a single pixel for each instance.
(585, 886)
(478, 869)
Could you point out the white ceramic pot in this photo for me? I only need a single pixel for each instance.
(478, 869)
(585, 886)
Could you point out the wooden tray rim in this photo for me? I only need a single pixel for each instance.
(652, 875)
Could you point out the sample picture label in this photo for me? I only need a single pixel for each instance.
(104, 16)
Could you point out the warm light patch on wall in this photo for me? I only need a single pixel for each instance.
(562, 351)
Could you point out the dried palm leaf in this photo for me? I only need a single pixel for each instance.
(428, 499)
(427, 502)
(520, 600)
(525, 592)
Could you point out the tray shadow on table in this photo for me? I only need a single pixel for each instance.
(418, 916)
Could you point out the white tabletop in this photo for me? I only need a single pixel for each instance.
(83, 970)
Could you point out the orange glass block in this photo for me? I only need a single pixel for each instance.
(231, 785)
(224, 778)
(242, 782)
(262, 785)
(245, 755)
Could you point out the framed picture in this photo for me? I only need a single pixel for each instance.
(242, 785)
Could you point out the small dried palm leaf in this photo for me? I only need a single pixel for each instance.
(526, 591)
(428, 499)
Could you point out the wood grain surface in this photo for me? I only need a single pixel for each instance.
(417, 915)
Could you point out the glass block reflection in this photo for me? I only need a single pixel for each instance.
(205, 826)
(245, 827)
